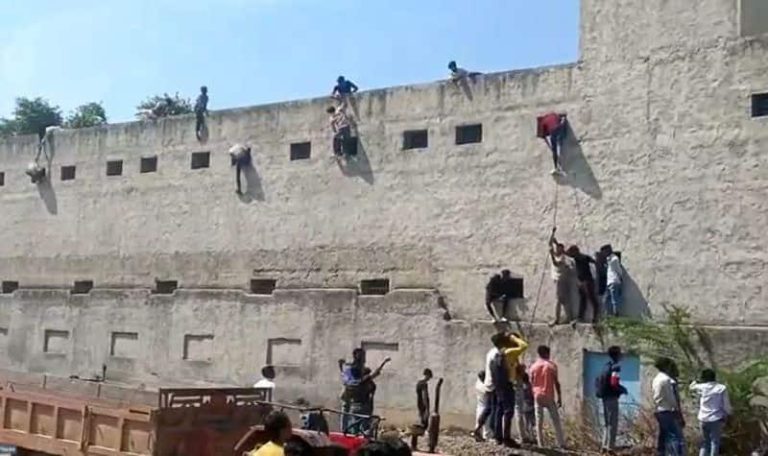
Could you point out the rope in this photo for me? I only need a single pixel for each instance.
(546, 258)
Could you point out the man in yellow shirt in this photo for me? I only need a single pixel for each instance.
(278, 427)
(513, 351)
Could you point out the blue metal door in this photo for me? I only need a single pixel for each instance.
(594, 363)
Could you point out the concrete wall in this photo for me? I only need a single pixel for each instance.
(664, 162)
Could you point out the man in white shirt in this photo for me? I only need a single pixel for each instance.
(614, 297)
(341, 127)
(267, 381)
(490, 396)
(563, 275)
(667, 410)
(483, 403)
(714, 407)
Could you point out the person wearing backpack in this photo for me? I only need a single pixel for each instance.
(608, 389)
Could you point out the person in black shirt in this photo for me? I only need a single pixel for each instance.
(586, 282)
(508, 291)
(343, 89)
(492, 293)
(422, 397)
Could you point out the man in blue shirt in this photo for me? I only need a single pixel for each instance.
(343, 89)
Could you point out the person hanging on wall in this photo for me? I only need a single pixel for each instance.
(201, 111)
(563, 275)
(460, 75)
(343, 89)
(45, 147)
(553, 128)
(509, 290)
(586, 283)
(241, 157)
(342, 129)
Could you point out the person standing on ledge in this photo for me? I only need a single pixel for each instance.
(492, 294)
(201, 111)
(552, 128)
(562, 274)
(614, 279)
(586, 283)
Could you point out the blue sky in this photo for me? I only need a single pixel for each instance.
(261, 51)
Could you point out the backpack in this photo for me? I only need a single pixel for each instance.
(601, 382)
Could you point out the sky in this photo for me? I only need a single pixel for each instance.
(250, 52)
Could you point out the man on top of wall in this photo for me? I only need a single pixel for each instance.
(201, 110)
(459, 75)
(343, 89)
(552, 128)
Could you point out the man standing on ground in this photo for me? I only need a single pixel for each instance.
(609, 389)
(552, 128)
(503, 381)
(422, 397)
(267, 381)
(546, 394)
(483, 409)
(489, 411)
(201, 111)
(586, 283)
(667, 410)
(278, 429)
(563, 275)
(714, 408)
(341, 128)
(614, 278)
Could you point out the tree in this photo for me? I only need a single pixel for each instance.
(87, 115)
(30, 116)
(164, 106)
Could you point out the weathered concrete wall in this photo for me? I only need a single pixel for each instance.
(664, 162)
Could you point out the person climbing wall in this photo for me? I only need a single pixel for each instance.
(552, 128)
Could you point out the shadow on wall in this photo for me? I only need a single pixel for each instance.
(48, 194)
(635, 304)
(463, 84)
(357, 165)
(578, 175)
(253, 188)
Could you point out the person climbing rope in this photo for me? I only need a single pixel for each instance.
(201, 111)
(552, 128)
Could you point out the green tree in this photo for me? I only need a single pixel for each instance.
(87, 115)
(164, 106)
(31, 116)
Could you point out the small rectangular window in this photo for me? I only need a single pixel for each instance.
(469, 134)
(82, 287)
(760, 105)
(10, 286)
(200, 160)
(114, 168)
(263, 286)
(415, 139)
(374, 287)
(2, 179)
(148, 164)
(754, 17)
(301, 151)
(67, 173)
(165, 286)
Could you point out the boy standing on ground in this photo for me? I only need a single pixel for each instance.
(609, 389)
(714, 408)
(547, 395)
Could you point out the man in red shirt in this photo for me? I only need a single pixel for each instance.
(552, 127)
(546, 394)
